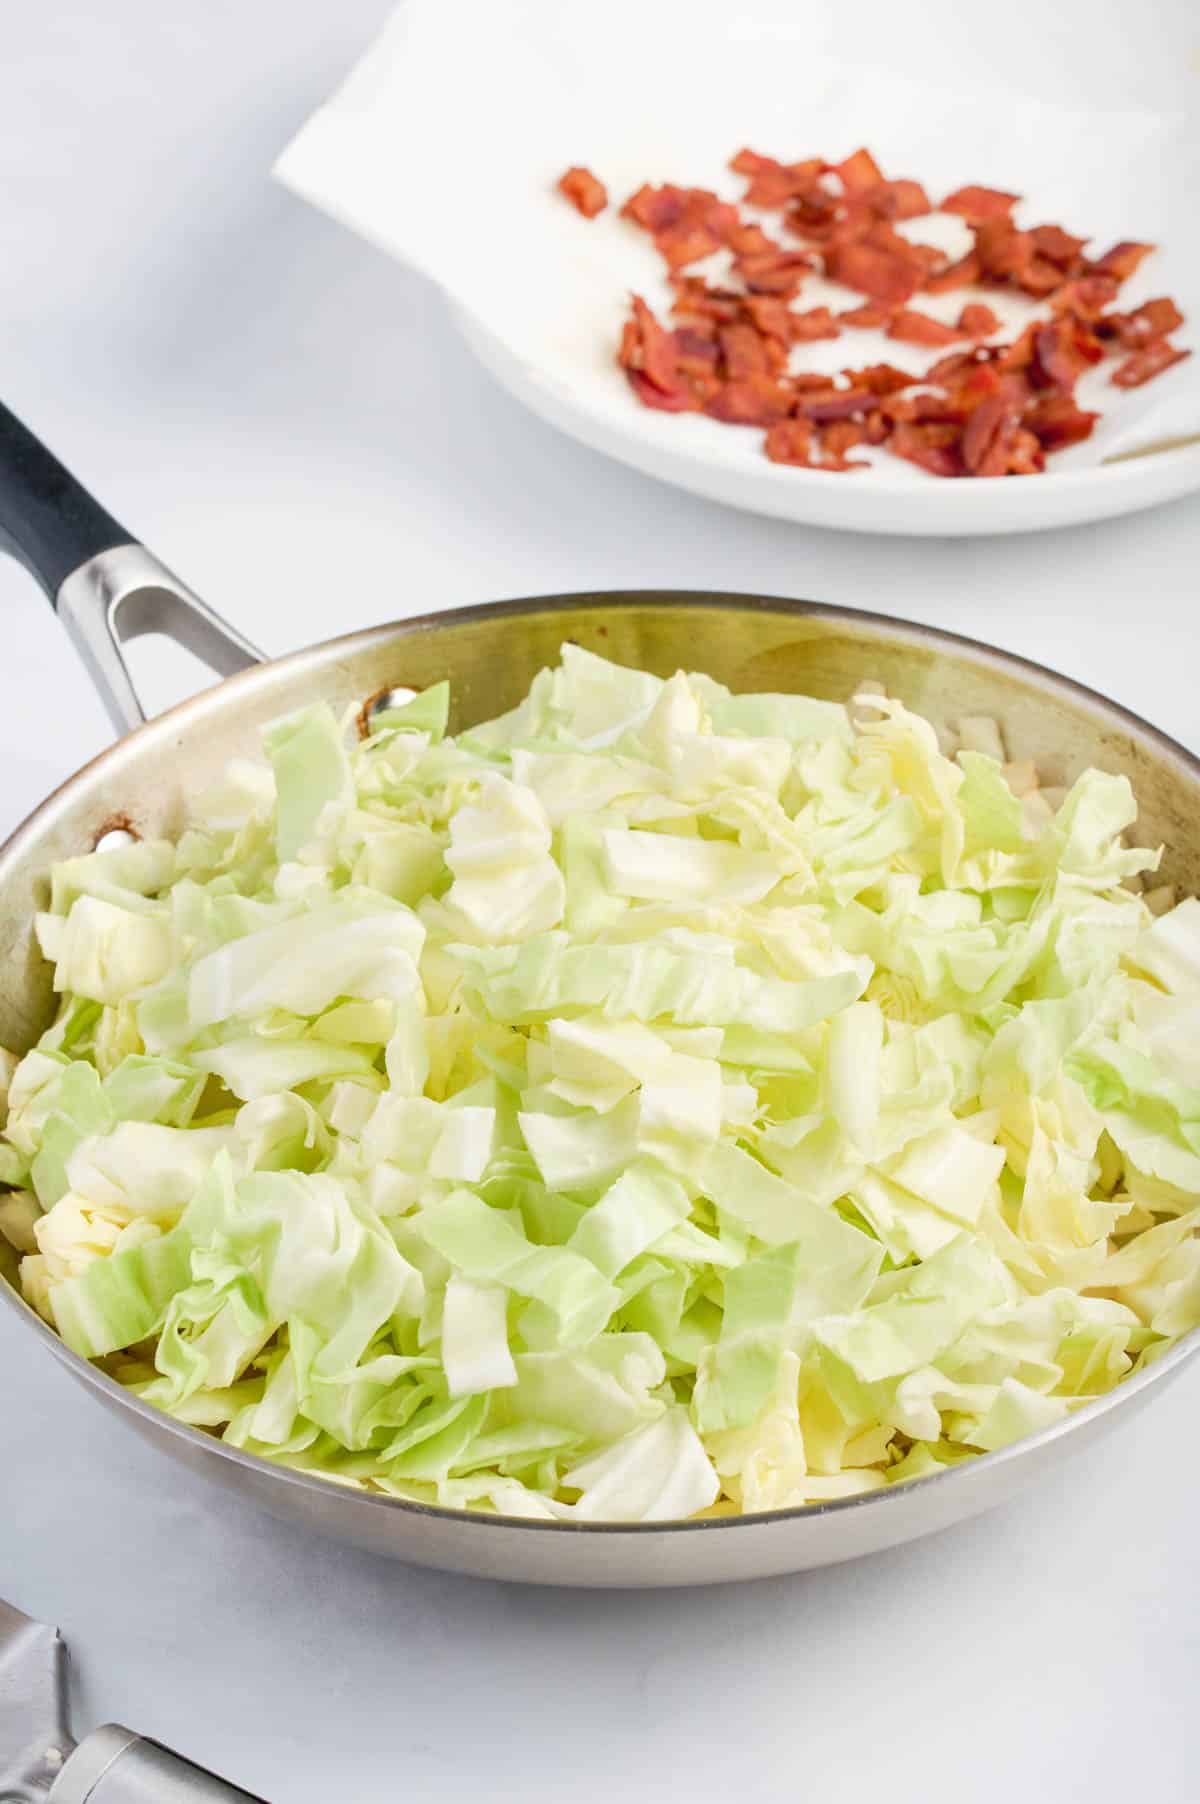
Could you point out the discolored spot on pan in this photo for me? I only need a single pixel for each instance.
(115, 830)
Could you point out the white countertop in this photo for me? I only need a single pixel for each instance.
(290, 421)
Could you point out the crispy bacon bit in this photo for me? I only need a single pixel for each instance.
(1121, 261)
(982, 410)
(789, 442)
(987, 436)
(650, 358)
(696, 300)
(655, 208)
(1004, 252)
(750, 401)
(1087, 297)
(842, 436)
(772, 317)
(954, 275)
(872, 314)
(1145, 364)
(750, 241)
(1025, 456)
(687, 223)
(697, 354)
(880, 274)
(1057, 246)
(880, 378)
(818, 322)
(977, 320)
(1056, 421)
(914, 328)
(745, 352)
(899, 200)
(859, 171)
(975, 204)
(774, 272)
(835, 404)
(1152, 320)
(932, 447)
(1063, 350)
(818, 217)
(585, 193)
(772, 183)
(948, 368)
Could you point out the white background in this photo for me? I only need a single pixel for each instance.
(288, 419)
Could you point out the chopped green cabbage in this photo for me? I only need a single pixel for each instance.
(653, 1102)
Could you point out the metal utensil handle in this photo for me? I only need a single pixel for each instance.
(104, 586)
(114, 1766)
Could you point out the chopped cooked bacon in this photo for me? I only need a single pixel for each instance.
(880, 378)
(1157, 356)
(983, 409)
(649, 348)
(836, 404)
(880, 274)
(1004, 252)
(872, 314)
(1087, 297)
(818, 322)
(687, 223)
(899, 200)
(672, 400)
(745, 352)
(1063, 350)
(773, 183)
(789, 442)
(656, 208)
(842, 436)
(859, 171)
(817, 216)
(962, 274)
(1057, 246)
(1026, 456)
(772, 317)
(977, 320)
(750, 241)
(750, 401)
(914, 328)
(1121, 261)
(1056, 421)
(774, 272)
(694, 299)
(975, 204)
(584, 192)
(932, 447)
(1152, 320)
(686, 243)
(987, 436)
(948, 368)
(696, 352)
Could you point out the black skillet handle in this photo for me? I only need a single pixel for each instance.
(47, 518)
(105, 587)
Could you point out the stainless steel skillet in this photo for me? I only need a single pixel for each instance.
(106, 588)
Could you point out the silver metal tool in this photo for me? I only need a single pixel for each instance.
(40, 1763)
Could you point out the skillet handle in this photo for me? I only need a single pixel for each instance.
(104, 586)
(47, 519)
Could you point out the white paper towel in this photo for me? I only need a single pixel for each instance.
(444, 144)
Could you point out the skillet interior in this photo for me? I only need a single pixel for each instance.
(490, 655)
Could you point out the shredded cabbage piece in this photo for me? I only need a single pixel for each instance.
(652, 1102)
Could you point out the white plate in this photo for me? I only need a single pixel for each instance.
(445, 143)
